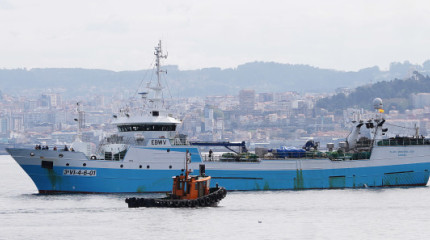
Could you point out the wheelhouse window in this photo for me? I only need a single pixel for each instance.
(147, 127)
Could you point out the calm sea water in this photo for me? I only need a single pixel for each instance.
(395, 213)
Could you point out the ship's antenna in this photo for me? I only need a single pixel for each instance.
(187, 158)
(80, 120)
(159, 54)
(417, 131)
(157, 89)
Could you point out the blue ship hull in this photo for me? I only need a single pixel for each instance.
(131, 180)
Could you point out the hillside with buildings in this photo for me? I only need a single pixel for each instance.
(398, 94)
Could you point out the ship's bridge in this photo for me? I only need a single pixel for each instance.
(151, 120)
(147, 126)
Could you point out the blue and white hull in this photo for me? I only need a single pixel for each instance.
(151, 169)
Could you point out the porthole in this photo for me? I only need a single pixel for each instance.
(147, 166)
(84, 164)
(32, 154)
(121, 166)
(60, 155)
(140, 166)
(170, 166)
(67, 164)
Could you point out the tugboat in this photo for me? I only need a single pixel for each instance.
(187, 191)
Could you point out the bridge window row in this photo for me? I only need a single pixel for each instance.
(146, 127)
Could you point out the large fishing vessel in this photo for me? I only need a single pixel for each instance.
(147, 150)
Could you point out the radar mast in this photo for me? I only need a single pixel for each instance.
(157, 99)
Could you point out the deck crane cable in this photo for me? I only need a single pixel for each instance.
(406, 129)
(394, 125)
(168, 89)
(144, 77)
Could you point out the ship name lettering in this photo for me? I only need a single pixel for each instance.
(158, 142)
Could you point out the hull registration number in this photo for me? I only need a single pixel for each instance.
(80, 172)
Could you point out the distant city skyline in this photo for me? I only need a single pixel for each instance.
(199, 34)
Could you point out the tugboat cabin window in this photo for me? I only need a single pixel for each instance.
(146, 127)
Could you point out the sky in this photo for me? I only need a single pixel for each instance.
(121, 35)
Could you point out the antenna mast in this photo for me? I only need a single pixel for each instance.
(80, 120)
(157, 89)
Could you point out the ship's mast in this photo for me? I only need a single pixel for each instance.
(80, 120)
(156, 100)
